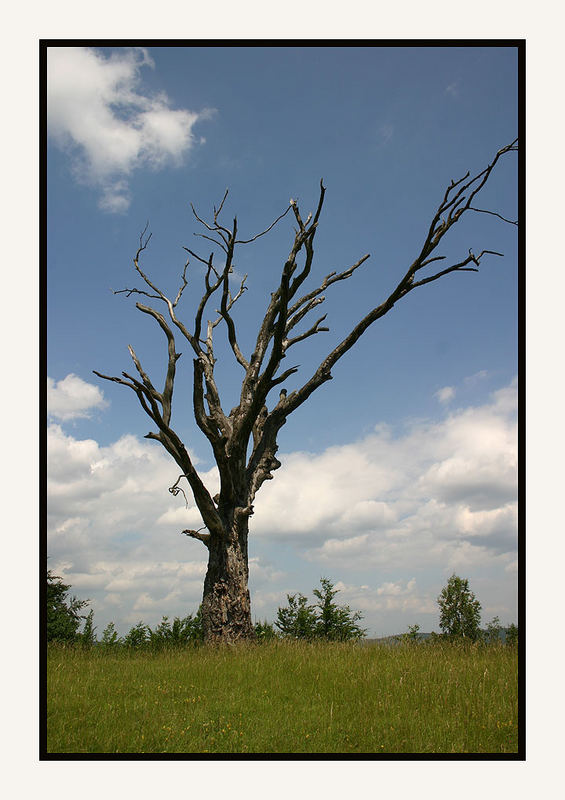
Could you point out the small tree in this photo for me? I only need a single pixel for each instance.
(63, 617)
(298, 620)
(337, 623)
(162, 634)
(110, 636)
(412, 635)
(460, 612)
(334, 623)
(88, 637)
(137, 636)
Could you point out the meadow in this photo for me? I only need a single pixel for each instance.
(284, 697)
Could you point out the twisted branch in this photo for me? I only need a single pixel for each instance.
(241, 477)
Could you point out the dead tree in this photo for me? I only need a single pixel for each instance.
(244, 441)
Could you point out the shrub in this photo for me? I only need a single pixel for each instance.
(87, 637)
(336, 623)
(179, 633)
(411, 636)
(110, 636)
(63, 617)
(265, 632)
(332, 622)
(138, 636)
(298, 620)
(512, 635)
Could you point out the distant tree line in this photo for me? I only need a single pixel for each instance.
(323, 620)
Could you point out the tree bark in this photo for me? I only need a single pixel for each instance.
(226, 606)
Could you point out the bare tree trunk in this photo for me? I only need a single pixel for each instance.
(226, 607)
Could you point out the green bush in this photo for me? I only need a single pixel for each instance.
(110, 636)
(411, 636)
(297, 620)
(265, 632)
(324, 620)
(88, 637)
(512, 635)
(63, 617)
(138, 636)
(181, 632)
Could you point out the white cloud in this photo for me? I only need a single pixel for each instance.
(120, 487)
(434, 477)
(478, 376)
(114, 529)
(263, 573)
(99, 113)
(445, 395)
(71, 398)
(389, 595)
(382, 512)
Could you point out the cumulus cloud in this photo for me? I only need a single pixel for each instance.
(121, 487)
(445, 394)
(72, 398)
(418, 497)
(107, 528)
(400, 595)
(382, 515)
(99, 113)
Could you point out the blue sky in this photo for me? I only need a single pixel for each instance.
(400, 471)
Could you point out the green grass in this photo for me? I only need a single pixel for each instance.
(284, 698)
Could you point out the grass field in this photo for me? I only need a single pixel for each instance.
(284, 697)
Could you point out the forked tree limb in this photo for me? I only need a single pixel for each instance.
(229, 435)
(454, 204)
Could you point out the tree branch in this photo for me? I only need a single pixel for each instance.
(171, 442)
(230, 435)
(274, 327)
(183, 286)
(314, 329)
(166, 398)
(202, 537)
(333, 277)
(494, 214)
(270, 228)
(437, 230)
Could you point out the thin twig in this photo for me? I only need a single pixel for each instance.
(494, 214)
(271, 226)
